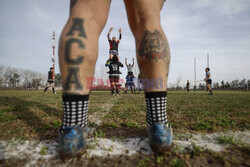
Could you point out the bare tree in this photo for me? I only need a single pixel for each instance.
(178, 83)
(202, 86)
(216, 85)
(58, 80)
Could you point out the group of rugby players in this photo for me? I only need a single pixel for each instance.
(114, 64)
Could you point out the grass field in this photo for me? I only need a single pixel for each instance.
(30, 115)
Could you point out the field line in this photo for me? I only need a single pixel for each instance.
(34, 150)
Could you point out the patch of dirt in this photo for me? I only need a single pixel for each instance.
(123, 132)
(192, 150)
(230, 158)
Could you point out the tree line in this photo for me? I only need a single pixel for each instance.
(223, 85)
(236, 84)
(14, 78)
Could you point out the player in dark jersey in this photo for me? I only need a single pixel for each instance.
(113, 49)
(188, 86)
(208, 80)
(50, 81)
(114, 73)
(130, 67)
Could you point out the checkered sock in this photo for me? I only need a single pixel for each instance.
(156, 107)
(75, 110)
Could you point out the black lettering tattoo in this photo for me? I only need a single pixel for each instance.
(69, 43)
(72, 79)
(72, 3)
(153, 46)
(77, 26)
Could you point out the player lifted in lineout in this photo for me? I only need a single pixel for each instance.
(114, 44)
(208, 81)
(50, 81)
(114, 64)
(130, 67)
(78, 52)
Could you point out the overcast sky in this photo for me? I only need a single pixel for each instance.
(193, 28)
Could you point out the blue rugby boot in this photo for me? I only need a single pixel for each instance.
(72, 141)
(160, 137)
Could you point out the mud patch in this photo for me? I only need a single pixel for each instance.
(193, 150)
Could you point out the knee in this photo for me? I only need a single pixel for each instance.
(148, 20)
(95, 16)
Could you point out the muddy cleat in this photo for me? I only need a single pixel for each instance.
(72, 141)
(160, 137)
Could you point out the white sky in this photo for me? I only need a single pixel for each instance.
(193, 28)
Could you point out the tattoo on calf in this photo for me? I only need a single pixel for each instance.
(72, 76)
(77, 26)
(72, 79)
(153, 46)
(68, 47)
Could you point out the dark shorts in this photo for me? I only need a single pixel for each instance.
(113, 78)
(130, 73)
(209, 81)
(50, 81)
(132, 84)
(113, 52)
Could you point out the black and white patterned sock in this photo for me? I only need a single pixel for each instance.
(156, 107)
(75, 110)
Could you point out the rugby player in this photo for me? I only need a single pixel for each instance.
(130, 67)
(114, 71)
(113, 49)
(208, 80)
(50, 81)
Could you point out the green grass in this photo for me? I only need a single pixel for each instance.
(43, 150)
(144, 162)
(99, 134)
(33, 114)
(177, 163)
(195, 150)
(226, 139)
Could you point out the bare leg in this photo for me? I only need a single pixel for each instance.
(112, 84)
(53, 88)
(209, 88)
(152, 48)
(78, 49)
(47, 87)
(153, 57)
(79, 43)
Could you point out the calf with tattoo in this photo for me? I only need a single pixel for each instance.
(78, 54)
